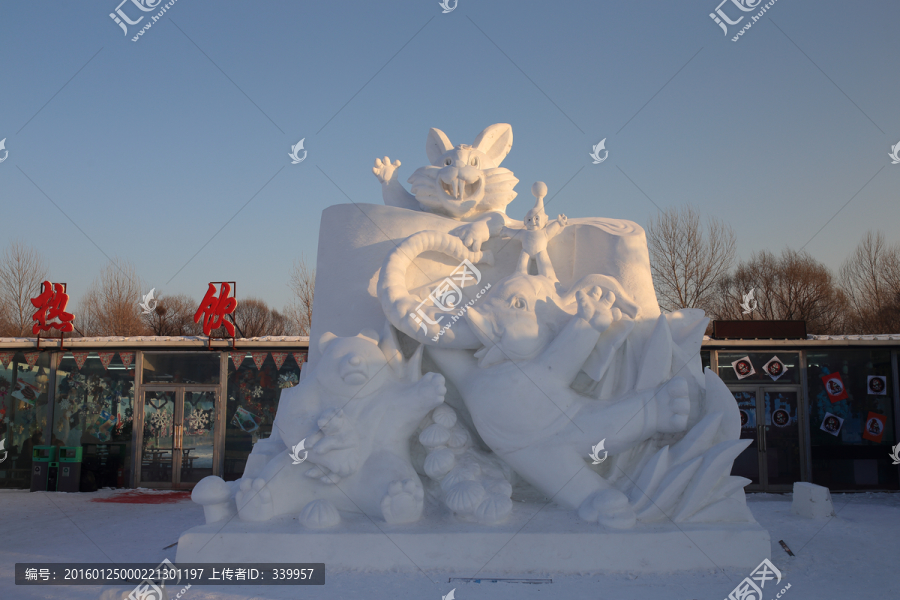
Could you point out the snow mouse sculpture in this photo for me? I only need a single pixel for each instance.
(463, 182)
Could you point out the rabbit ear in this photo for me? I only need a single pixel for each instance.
(436, 145)
(495, 141)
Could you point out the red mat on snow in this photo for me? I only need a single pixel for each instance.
(142, 497)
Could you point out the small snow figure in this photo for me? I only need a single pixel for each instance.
(536, 235)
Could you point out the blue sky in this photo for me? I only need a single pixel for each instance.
(176, 146)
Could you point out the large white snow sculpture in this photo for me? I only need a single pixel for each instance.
(530, 365)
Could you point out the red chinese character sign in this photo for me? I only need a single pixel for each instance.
(213, 309)
(51, 309)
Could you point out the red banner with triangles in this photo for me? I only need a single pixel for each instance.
(80, 357)
(875, 426)
(106, 358)
(31, 358)
(834, 387)
(127, 358)
(259, 358)
(237, 358)
(300, 357)
(5, 357)
(279, 358)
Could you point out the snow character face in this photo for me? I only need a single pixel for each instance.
(519, 318)
(465, 181)
(348, 364)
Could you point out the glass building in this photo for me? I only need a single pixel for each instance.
(146, 412)
(166, 412)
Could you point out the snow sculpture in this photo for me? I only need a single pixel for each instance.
(356, 411)
(536, 235)
(542, 365)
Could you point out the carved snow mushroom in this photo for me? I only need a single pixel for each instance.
(319, 514)
(215, 496)
(444, 415)
(493, 509)
(439, 462)
(464, 497)
(434, 436)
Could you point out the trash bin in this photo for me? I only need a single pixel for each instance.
(41, 459)
(69, 478)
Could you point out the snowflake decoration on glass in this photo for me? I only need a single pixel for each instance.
(257, 392)
(198, 420)
(287, 380)
(160, 420)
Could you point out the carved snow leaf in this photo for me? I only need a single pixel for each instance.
(717, 463)
(727, 487)
(670, 489)
(649, 479)
(698, 440)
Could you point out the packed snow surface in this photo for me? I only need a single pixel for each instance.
(851, 555)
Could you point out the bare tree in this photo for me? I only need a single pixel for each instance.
(252, 317)
(303, 285)
(22, 270)
(870, 277)
(793, 286)
(110, 306)
(174, 315)
(688, 260)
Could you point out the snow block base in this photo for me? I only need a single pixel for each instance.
(812, 501)
(554, 541)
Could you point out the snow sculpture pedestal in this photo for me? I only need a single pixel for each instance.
(554, 541)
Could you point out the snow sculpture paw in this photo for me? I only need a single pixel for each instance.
(432, 389)
(404, 502)
(254, 501)
(609, 508)
(384, 170)
(595, 307)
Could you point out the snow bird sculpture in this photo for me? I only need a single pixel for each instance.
(596, 153)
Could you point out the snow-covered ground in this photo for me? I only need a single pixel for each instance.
(853, 555)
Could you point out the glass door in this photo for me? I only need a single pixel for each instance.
(158, 440)
(782, 439)
(769, 417)
(178, 436)
(198, 435)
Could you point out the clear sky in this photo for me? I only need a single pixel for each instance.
(172, 151)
